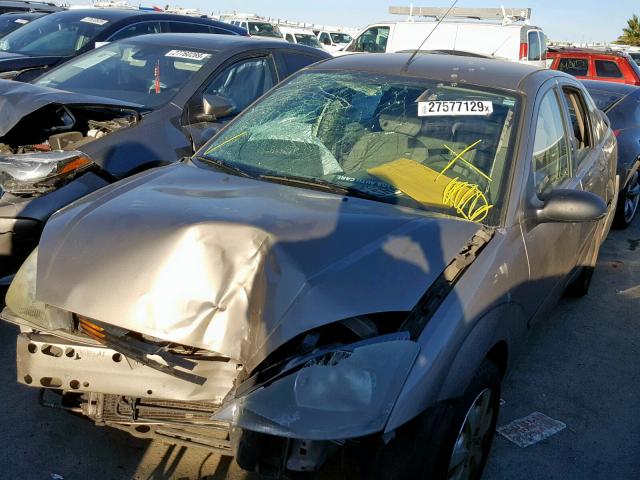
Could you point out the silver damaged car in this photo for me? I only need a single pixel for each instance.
(349, 265)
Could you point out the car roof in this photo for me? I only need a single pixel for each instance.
(28, 4)
(612, 87)
(217, 42)
(23, 14)
(114, 15)
(586, 51)
(448, 68)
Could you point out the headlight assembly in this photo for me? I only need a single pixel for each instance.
(342, 394)
(39, 173)
(21, 301)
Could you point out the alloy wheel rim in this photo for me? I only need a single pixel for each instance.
(632, 197)
(469, 452)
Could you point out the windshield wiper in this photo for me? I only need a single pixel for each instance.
(220, 165)
(319, 184)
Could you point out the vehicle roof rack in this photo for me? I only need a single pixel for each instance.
(505, 15)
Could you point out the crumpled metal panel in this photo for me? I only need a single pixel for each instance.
(235, 265)
(18, 99)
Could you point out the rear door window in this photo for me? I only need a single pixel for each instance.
(244, 81)
(607, 69)
(185, 27)
(535, 51)
(142, 28)
(578, 67)
(579, 116)
(551, 146)
(294, 61)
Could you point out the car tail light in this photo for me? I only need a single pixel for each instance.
(524, 51)
(617, 132)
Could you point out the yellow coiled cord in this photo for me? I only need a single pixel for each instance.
(467, 199)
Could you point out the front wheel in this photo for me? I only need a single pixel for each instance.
(628, 202)
(448, 442)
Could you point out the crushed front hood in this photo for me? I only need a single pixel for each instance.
(235, 265)
(18, 99)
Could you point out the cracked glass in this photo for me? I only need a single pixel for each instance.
(368, 135)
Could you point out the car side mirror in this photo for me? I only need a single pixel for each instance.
(215, 107)
(571, 206)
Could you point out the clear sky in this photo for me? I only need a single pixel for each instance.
(574, 20)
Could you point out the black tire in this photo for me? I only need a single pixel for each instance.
(628, 200)
(423, 448)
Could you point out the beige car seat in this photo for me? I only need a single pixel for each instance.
(396, 140)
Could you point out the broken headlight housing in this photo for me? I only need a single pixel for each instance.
(21, 301)
(344, 393)
(40, 173)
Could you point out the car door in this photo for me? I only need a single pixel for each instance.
(589, 163)
(551, 247)
(372, 40)
(241, 81)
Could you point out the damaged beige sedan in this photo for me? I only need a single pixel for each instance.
(350, 265)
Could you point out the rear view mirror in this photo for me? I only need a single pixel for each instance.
(215, 107)
(571, 206)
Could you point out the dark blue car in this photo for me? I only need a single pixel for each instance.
(621, 103)
(120, 109)
(15, 20)
(52, 40)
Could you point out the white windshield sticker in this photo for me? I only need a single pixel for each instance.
(95, 21)
(187, 55)
(455, 107)
(21, 21)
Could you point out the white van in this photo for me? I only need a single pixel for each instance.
(303, 36)
(512, 38)
(333, 41)
(257, 27)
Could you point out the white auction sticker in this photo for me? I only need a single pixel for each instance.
(184, 54)
(21, 21)
(95, 21)
(455, 107)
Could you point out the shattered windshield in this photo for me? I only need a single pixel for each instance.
(397, 140)
(149, 75)
(58, 34)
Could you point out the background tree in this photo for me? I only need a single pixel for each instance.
(631, 33)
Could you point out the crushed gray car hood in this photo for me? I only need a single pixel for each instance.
(235, 265)
(18, 99)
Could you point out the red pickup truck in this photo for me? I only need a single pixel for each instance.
(592, 64)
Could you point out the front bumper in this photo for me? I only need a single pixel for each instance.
(47, 361)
